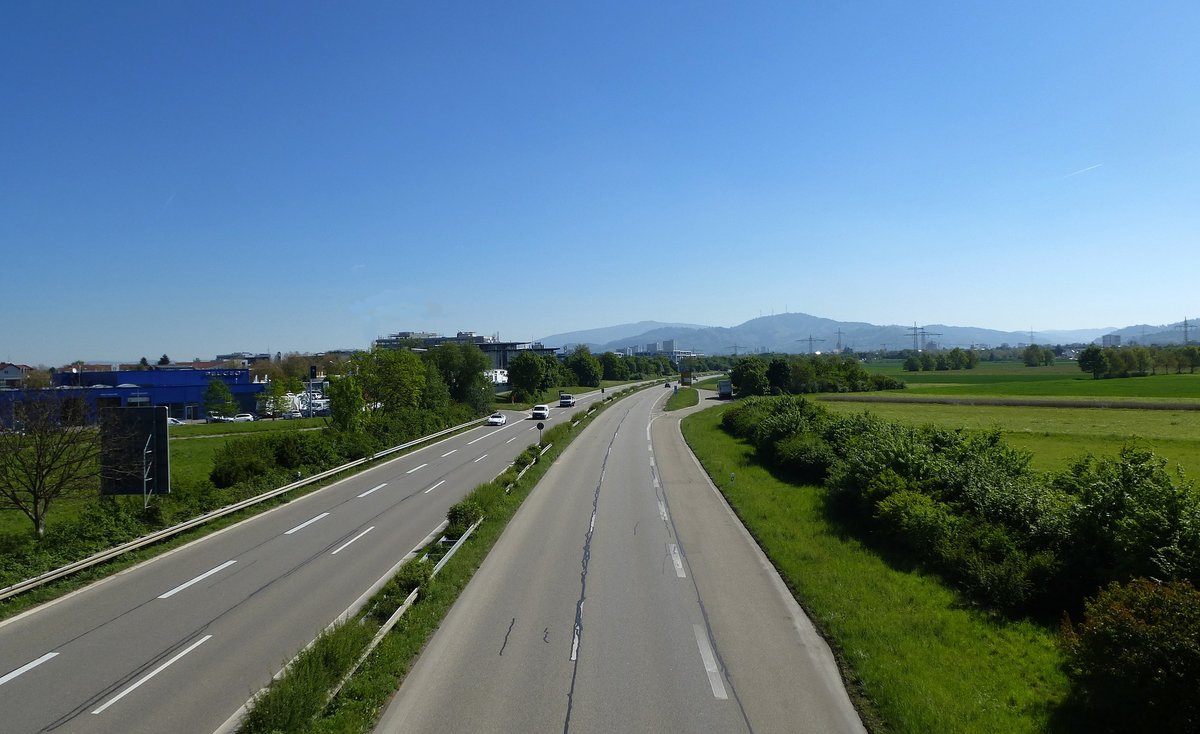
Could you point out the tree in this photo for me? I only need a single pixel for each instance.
(586, 369)
(912, 363)
(164, 360)
(615, 366)
(462, 367)
(526, 371)
(779, 375)
(277, 401)
(218, 399)
(53, 455)
(1092, 360)
(144, 364)
(345, 402)
(36, 379)
(1032, 355)
(749, 377)
(391, 380)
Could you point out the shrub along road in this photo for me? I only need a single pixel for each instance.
(624, 596)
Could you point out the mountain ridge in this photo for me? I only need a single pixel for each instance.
(801, 333)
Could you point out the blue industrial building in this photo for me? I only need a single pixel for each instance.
(181, 390)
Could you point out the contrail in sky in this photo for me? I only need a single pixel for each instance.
(1083, 170)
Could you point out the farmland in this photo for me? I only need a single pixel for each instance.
(1053, 434)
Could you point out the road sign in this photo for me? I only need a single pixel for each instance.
(134, 458)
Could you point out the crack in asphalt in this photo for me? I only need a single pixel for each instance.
(506, 634)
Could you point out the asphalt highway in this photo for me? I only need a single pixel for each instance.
(179, 643)
(625, 597)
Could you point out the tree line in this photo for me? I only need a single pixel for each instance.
(1104, 362)
(799, 374)
(955, 359)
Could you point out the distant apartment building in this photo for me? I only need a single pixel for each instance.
(1110, 340)
(500, 352)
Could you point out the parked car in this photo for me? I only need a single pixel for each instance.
(540, 412)
(174, 422)
(218, 418)
(496, 419)
(242, 418)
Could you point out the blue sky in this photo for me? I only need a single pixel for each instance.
(199, 178)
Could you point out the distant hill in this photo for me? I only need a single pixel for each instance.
(799, 332)
(596, 337)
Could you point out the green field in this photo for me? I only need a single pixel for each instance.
(1060, 380)
(1053, 435)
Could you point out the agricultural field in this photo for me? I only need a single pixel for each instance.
(1013, 379)
(1052, 434)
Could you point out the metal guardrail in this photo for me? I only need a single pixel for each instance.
(156, 537)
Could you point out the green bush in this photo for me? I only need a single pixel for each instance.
(1135, 659)
(462, 515)
(412, 575)
(807, 456)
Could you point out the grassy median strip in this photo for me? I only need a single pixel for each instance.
(297, 701)
(684, 397)
(916, 658)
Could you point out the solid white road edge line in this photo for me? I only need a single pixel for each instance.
(348, 542)
(306, 523)
(434, 487)
(373, 489)
(153, 673)
(710, 663)
(198, 579)
(26, 667)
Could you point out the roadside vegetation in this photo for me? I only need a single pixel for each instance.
(792, 374)
(1016, 544)
(915, 657)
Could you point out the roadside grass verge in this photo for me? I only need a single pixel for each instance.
(916, 658)
(299, 705)
(685, 397)
(1054, 436)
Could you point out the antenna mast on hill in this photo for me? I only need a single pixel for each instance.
(839, 343)
(810, 341)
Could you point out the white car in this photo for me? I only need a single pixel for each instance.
(566, 400)
(496, 419)
(243, 418)
(540, 412)
(174, 422)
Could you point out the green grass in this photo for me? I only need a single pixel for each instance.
(685, 397)
(1055, 435)
(192, 449)
(917, 659)
(1059, 380)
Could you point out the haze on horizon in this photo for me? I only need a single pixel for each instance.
(193, 180)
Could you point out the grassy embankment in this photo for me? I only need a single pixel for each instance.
(918, 659)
